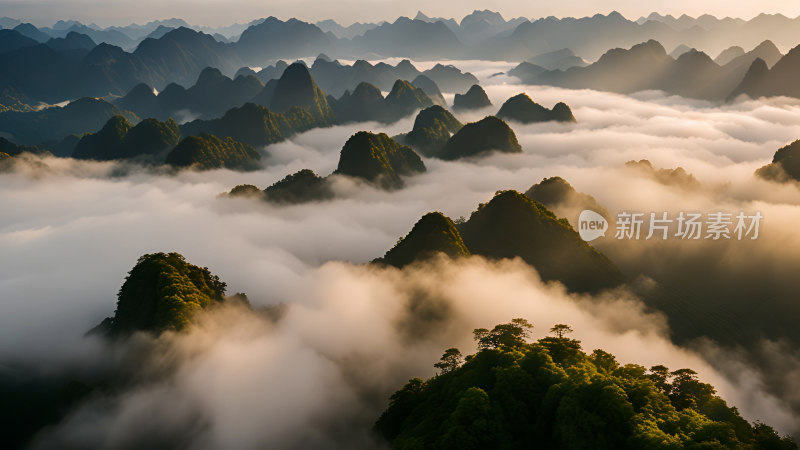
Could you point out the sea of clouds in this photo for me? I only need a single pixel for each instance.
(353, 334)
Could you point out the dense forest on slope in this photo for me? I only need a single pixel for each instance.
(161, 293)
(551, 394)
(511, 225)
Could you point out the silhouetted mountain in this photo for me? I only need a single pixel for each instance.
(11, 149)
(691, 74)
(159, 32)
(450, 79)
(766, 50)
(755, 81)
(560, 197)
(245, 72)
(592, 36)
(378, 159)
(63, 147)
(138, 32)
(365, 103)
(11, 40)
(109, 36)
(161, 293)
(272, 72)
(728, 55)
(404, 99)
(554, 191)
(406, 71)
(785, 164)
(781, 79)
(432, 129)
(435, 115)
(561, 59)
(141, 99)
(647, 66)
(412, 39)
(512, 224)
(488, 134)
(588, 36)
(522, 109)
(434, 233)
(474, 98)
(678, 177)
(64, 25)
(335, 78)
(118, 139)
(300, 187)
(211, 96)
(8, 22)
(255, 125)
(527, 73)
(618, 70)
(72, 42)
(480, 25)
(348, 32)
(680, 50)
(182, 54)
(109, 70)
(710, 33)
(104, 145)
(273, 39)
(450, 23)
(81, 116)
(296, 88)
(479, 17)
(32, 32)
(430, 89)
(206, 152)
(52, 75)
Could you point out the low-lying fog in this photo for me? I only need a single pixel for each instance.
(71, 230)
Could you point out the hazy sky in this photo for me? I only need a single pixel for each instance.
(221, 12)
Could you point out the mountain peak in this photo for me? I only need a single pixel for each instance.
(296, 87)
(378, 159)
(487, 16)
(522, 108)
(404, 98)
(616, 16)
(474, 98)
(485, 135)
(754, 82)
(210, 76)
(433, 233)
(513, 225)
(428, 116)
(161, 293)
(421, 16)
(430, 88)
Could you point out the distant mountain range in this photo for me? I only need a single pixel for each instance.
(243, 109)
(481, 34)
(70, 60)
(692, 74)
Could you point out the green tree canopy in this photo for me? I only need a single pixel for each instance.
(550, 394)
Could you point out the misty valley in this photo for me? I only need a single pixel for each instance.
(424, 233)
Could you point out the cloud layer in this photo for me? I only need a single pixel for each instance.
(70, 232)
